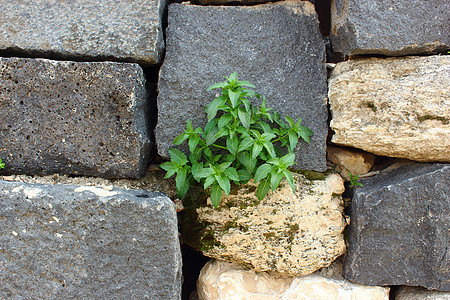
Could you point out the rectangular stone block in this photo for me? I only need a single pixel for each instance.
(399, 229)
(121, 30)
(73, 118)
(393, 28)
(277, 47)
(398, 106)
(86, 242)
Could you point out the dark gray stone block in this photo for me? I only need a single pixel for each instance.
(392, 28)
(85, 242)
(73, 118)
(277, 46)
(121, 30)
(399, 228)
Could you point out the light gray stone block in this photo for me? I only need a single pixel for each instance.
(391, 28)
(73, 118)
(120, 30)
(277, 47)
(86, 242)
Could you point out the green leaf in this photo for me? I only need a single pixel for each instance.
(269, 148)
(244, 117)
(245, 83)
(293, 140)
(211, 136)
(234, 98)
(245, 158)
(275, 179)
(233, 77)
(232, 144)
(224, 120)
(216, 86)
(216, 195)
(263, 189)
(212, 108)
(246, 143)
(232, 174)
(178, 156)
(180, 181)
(257, 148)
(262, 172)
(193, 142)
(290, 121)
(170, 167)
(304, 132)
(223, 166)
(180, 139)
(289, 179)
(224, 183)
(208, 181)
(289, 159)
(244, 175)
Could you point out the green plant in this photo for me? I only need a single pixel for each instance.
(2, 164)
(239, 142)
(354, 180)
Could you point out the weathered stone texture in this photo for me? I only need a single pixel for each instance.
(220, 280)
(85, 242)
(417, 293)
(283, 234)
(284, 59)
(73, 118)
(109, 29)
(391, 28)
(396, 107)
(399, 228)
(355, 162)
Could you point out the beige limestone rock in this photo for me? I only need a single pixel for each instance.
(418, 293)
(398, 107)
(285, 234)
(221, 280)
(356, 162)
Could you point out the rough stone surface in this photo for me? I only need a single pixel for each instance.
(225, 2)
(355, 162)
(281, 58)
(73, 118)
(84, 242)
(88, 29)
(285, 234)
(399, 228)
(220, 280)
(396, 107)
(390, 28)
(417, 293)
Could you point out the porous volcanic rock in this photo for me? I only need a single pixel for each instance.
(276, 46)
(120, 30)
(86, 242)
(398, 107)
(221, 280)
(287, 234)
(393, 28)
(399, 228)
(77, 118)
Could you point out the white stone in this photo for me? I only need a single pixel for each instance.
(220, 280)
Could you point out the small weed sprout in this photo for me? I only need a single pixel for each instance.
(354, 180)
(2, 164)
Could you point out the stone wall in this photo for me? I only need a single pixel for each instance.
(101, 89)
